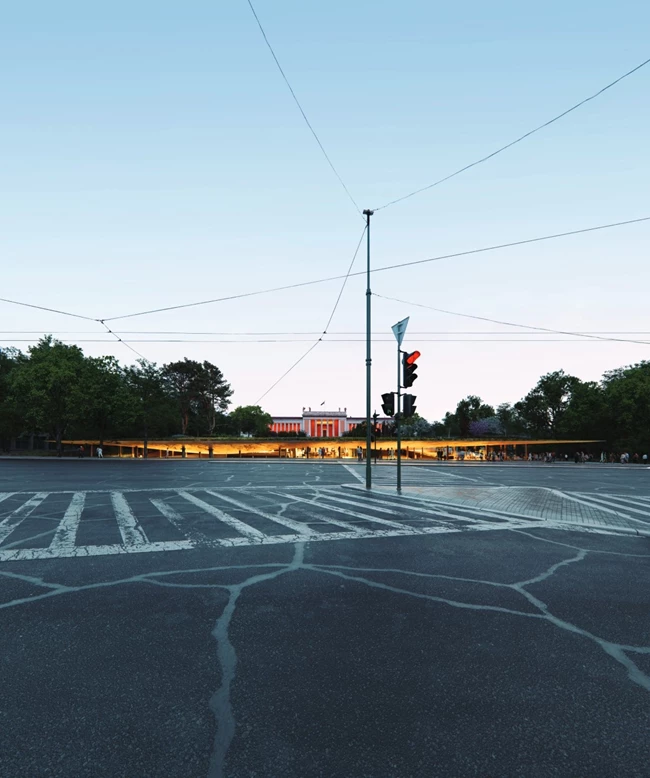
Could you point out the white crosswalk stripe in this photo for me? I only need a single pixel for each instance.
(17, 516)
(184, 519)
(385, 474)
(622, 504)
(66, 532)
(130, 529)
(238, 526)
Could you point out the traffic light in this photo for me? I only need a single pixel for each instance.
(409, 368)
(388, 403)
(408, 405)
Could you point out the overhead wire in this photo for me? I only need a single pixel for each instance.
(123, 342)
(300, 108)
(527, 339)
(438, 258)
(517, 140)
(511, 324)
(329, 321)
(245, 335)
(49, 310)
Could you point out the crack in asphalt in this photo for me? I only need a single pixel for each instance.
(220, 702)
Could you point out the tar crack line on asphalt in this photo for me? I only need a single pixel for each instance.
(220, 702)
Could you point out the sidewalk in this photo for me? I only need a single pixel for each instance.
(532, 502)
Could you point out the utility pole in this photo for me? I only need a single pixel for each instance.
(375, 416)
(398, 418)
(399, 330)
(367, 213)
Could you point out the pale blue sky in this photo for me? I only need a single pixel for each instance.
(152, 155)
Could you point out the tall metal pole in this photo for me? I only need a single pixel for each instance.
(368, 214)
(398, 419)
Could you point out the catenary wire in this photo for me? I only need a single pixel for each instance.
(330, 334)
(300, 108)
(123, 342)
(49, 310)
(510, 324)
(517, 140)
(528, 339)
(329, 321)
(381, 269)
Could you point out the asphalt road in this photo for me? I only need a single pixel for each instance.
(166, 623)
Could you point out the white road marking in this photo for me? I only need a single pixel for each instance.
(640, 502)
(22, 554)
(174, 517)
(611, 504)
(231, 521)
(359, 477)
(130, 528)
(296, 526)
(6, 495)
(326, 494)
(8, 525)
(344, 511)
(595, 503)
(432, 510)
(66, 532)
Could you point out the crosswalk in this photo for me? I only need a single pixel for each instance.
(52, 525)
(385, 474)
(633, 507)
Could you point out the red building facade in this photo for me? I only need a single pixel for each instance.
(320, 424)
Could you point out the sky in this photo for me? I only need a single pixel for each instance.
(152, 156)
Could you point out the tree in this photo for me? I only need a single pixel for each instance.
(200, 391)
(48, 387)
(10, 420)
(472, 408)
(150, 406)
(585, 415)
(486, 428)
(250, 420)
(626, 401)
(543, 408)
(215, 395)
(104, 396)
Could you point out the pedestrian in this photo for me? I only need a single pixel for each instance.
(167, 451)
(645, 459)
(359, 453)
(81, 452)
(100, 452)
(635, 458)
(183, 452)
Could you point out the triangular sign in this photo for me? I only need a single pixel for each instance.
(399, 330)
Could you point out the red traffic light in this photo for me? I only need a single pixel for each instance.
(411, 358)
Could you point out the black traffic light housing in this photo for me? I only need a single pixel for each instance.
(408, 405)
(388, 403)
(409, 368)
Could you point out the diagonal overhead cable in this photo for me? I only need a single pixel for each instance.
(49, 310)
(517, 140)
(511, 324)
(123, 342)
(329, 321)
(74, 315)
(381, 269)
(300, 108)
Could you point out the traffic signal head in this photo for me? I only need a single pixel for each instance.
(388, 403)
(408, 405)
(409, 368)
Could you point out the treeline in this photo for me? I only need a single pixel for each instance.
(615, 409)
(56, 390)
